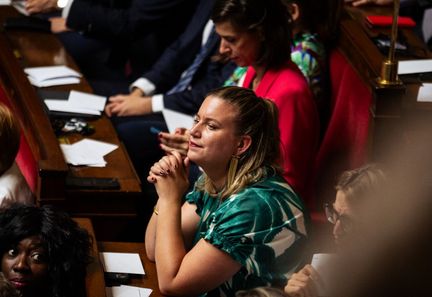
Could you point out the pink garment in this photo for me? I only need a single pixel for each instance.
(298, 121)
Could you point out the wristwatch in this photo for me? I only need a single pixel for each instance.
(62, 3)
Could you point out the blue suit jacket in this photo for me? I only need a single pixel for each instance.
(136, 30)
(166, 72)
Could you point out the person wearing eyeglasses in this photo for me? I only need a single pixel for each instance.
(354, 188)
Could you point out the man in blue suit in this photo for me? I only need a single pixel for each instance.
(119, 33)
(134, 115)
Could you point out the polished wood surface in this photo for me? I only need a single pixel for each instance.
(395, 111)
(149, 280)
(20, 49)
(95, 283)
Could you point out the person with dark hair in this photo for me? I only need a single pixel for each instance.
(355, 189)
(13, 186)
(191, 58)
(257, 34)
(242, 225)
(44, 252)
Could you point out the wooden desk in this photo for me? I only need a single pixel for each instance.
(95, 284)
(147, 281)
(394, 111)
(110, 210)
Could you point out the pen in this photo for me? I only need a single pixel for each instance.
(155, 130)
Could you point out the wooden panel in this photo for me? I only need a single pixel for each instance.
(149, 280)
(20, 49)
(95, 283)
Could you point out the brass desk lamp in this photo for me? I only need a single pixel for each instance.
(389, 67)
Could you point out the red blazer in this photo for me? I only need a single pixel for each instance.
(298, 121)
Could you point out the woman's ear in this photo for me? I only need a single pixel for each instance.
(244, 143)
(294, 11)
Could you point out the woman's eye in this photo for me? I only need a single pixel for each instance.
(211, 127)
(12, 252)
(38, 257)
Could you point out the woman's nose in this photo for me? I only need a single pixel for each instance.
(195, 130)
(21, 264)
(223, 48)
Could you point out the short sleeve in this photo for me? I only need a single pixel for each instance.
(248, 225)
(196, 197)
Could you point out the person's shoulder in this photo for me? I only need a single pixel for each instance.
(270, 189)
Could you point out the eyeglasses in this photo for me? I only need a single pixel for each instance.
(333, 216)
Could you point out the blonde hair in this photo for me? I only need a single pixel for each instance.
(258, 118)
(9, 138)
(359, 183)
(261, 292)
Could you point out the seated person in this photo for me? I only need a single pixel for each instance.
(43, 251)
(247, 40)
(242, 226)
(164, 86)
(113, 42)
(13, 186)
(355, 188)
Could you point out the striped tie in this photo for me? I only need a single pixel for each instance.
(188, 74)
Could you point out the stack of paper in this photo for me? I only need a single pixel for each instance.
(52, 76)
(78, 102)
(122, 263)
(127, 291)
(87, 152)
(5, 2)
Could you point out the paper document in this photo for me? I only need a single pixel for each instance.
(122, 263)
(52, 76)
(175, 119)
(425, 93)
(86, 100)
(87, 152)
(20, 6)
(322, 264)
(5, 2)
(415, 66)
(64, 106)
(78, 102)
(127, 291)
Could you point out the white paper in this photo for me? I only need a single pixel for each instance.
(87, 100)
(54, 81)
(127, 291)
(80, 157)
(65, 106)
(87, 152)
(94, 147)
(20, 6)
(425, 93)
(321, 264)
(5, 2)
(175, 119)
(47, 72)
(415, 66)
(122, 263)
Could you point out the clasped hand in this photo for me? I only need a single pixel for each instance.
(170, 176)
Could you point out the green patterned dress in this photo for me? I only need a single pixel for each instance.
(262, 227)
